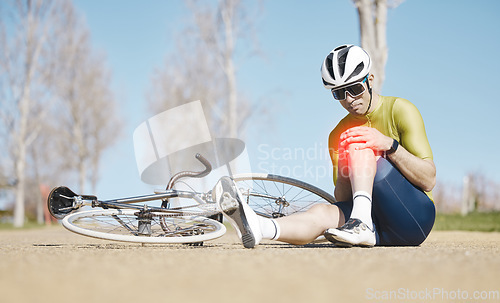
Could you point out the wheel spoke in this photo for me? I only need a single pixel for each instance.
(275, 195)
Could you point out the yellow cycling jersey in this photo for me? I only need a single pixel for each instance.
(394, 117)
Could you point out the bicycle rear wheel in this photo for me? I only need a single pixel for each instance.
(276, 196)
(129, 225)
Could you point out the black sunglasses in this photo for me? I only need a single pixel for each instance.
(354, 90)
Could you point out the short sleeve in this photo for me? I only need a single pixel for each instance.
(411, 129)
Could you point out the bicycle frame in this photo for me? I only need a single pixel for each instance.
(80, 201)
(126, 219)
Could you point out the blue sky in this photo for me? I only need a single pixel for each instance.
(442, 57)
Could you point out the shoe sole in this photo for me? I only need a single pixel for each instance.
(341, 243)
(337, 242)
(233, 209)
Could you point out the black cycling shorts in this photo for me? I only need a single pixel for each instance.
(402, 213)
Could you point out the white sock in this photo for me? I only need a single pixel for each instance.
(362, 207)
(269, 228)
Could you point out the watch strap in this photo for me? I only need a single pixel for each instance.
(394, 147)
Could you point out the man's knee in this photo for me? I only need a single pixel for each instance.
(362, 161)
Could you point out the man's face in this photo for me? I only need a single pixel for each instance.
(357, 106)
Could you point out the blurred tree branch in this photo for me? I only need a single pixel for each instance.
(202, 67)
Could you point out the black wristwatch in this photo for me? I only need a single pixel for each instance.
(393, 148)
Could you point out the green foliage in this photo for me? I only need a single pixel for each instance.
(476, 221)
(27, 225)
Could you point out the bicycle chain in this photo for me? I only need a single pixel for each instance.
(181, 214)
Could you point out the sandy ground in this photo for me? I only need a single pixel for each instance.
(54, 265)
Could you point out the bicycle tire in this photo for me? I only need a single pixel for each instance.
(262, 190)
(105, 224)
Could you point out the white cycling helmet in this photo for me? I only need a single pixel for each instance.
(344, 65)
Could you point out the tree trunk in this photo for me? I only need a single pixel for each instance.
(21, 150)
(22, 144)
(228, 11)
(381, 38)
(20, 187)
(25, 134)
(373, 27)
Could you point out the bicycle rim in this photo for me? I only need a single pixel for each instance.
(125, 225)
(276, 196)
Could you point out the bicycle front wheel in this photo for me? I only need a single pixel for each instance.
(128, 225)
(276, 196)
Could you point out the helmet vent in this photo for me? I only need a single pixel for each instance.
(339, 48)
(342, 57)
(356, 71)
(342, 64)
(329, 66)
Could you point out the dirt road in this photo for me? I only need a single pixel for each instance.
(55, 265)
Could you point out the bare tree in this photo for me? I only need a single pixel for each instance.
(188, 75)
(87, 115)
(57, 109)
(447, 197)
(373, 30)
(203, 66)
(22, 108)
(479, 193)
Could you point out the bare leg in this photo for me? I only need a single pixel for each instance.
(299, 228)
(363, 167)
(303, 228)
(358, 230)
